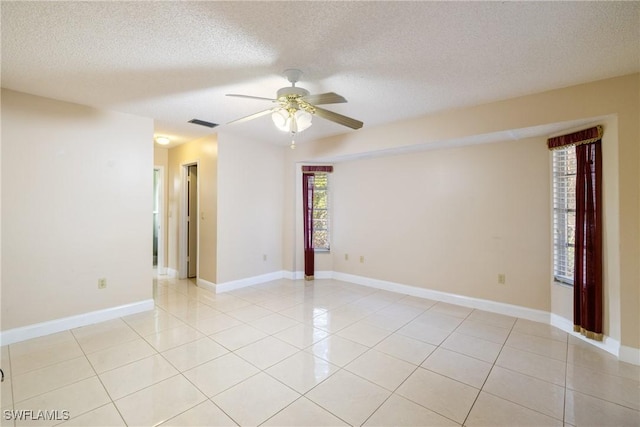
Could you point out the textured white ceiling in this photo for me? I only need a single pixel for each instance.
(174, 61)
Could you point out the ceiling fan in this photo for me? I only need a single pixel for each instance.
(295, 107)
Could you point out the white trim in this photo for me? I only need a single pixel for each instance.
(322, 274)
(205, 284)
(299, 275)
(23, 333)
(161, 264)
(292, 275)
(629, 355)
(608, 344)
(172, 272)
(561, 322)
(249, 281)
(182, 224)
(465, 301)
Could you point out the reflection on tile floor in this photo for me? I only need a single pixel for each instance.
(323, 353)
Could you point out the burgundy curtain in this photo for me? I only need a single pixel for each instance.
(307, 208)
(587, 304)
(587, 283)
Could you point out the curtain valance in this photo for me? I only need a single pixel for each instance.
(317, 168)
(586, 136)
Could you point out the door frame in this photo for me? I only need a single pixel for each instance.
(183, 228)
(161, 265)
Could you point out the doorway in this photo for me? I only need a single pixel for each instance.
(188, 266)
(192, 221)
(158, 219)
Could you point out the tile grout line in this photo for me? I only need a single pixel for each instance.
(341, 368)
(333, 292)
(98, 376)
(490, 370)
(526, 375)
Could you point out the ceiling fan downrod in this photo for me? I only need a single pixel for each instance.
(293, 75)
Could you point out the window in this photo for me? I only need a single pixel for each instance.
(321, 211)
(564, 213)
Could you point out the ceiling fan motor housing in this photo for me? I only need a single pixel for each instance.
(290, 98)
(292, 91)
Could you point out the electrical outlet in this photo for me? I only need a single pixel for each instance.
(361, 258)
(102, 283)
(346, 257)
(264, 257)
(502, 279)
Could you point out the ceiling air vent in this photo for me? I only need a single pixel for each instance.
(203, 123)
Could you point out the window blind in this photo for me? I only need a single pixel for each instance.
(564, 213)
(321, 211)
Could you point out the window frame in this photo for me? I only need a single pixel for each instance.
(563, 170)
(327, 210)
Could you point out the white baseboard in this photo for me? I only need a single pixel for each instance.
(465, 301)
(58, 325)
(561, 322)
(205, 284)
(172, 272)
(629, 355)
(608, 344)
(299, 275)
(293, 275)
(323, 275)
(249, 281)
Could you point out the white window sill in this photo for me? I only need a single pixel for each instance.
(563, 284)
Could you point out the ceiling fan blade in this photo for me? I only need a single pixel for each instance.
(252, 116)
(338, 118)
(251, 97)
(324, 98)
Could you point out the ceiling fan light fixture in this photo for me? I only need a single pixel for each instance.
(281, 119)
(291, 122)
(303, 119)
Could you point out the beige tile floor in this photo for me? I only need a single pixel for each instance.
(323, 353)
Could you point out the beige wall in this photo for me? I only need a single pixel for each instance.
(449, 220)
(160, 156)
(251, 206)
(77, 197)
(616, 97)
(204, 152)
